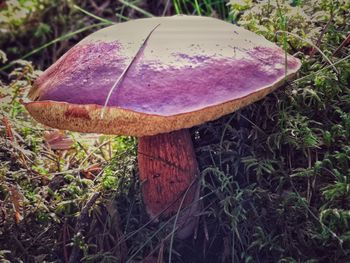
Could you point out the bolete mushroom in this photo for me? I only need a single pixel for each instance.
(154, 78)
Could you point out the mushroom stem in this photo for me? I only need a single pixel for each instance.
(168, 170)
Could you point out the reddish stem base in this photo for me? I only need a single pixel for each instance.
(168, 169)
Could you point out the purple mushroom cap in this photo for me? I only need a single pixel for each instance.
(171, 73)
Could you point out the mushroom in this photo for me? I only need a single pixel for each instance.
(154, 78)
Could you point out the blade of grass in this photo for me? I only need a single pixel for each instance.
(313, 45)
(166, 7)
(142, 11)
(121, 17)
(186, 8)
(121, 77)
(103, 20)
(208, 7)
(61, 38)
(222, 8)
(168, 221)
(175, 226)
(222, 139)
(177, 7)
(198, 10)
(218, 6)
(327, 67)
(306, 205)
(283, 27)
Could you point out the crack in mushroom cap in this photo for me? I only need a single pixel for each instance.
(191, 70)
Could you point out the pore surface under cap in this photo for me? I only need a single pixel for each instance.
(190, 70)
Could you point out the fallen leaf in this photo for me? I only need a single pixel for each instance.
(17, 203)
(58, 140)
(91, 172)
(8, 128)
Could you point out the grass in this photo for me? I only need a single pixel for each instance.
(274, 175)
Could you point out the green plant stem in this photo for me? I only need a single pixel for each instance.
(61, 38)
(144, 12)
(313, 45)
(327, 67)
(103, 20)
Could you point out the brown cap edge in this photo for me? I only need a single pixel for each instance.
(118, 121)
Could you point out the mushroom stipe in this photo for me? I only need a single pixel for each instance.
(168, 171)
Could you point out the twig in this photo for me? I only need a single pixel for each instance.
(65, 252)
(82, 221)
(313, 45)
(166, 8)
(101, 8)
(345, 43)
(324, 30)
(88, 155)
(122, 76)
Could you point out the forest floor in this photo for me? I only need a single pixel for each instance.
(275, 176)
